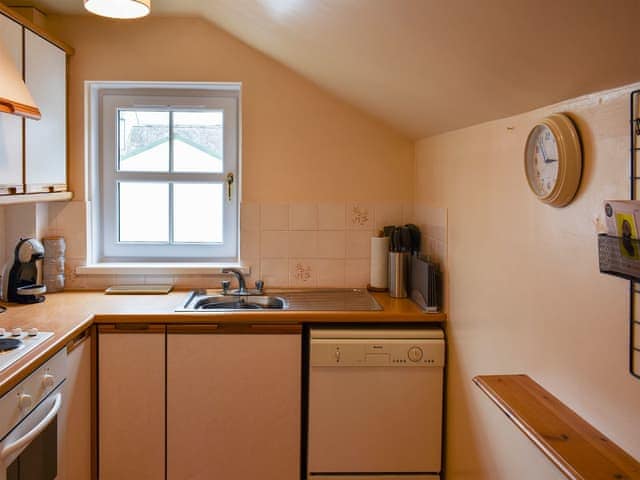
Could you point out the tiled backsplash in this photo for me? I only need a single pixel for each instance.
(285, 244)
(314, 244)
(432, 222)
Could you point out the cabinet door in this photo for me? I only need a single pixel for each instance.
(75, 422)
(46, 139)
(233, 406)
(131, 406)
(11, 125)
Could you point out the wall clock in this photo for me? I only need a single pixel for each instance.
(553, 160)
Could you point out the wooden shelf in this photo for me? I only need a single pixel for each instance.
(35, 197)
(579, 450)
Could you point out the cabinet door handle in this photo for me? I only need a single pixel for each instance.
(131, 328)
(283, 328)
(192, 328)
(75, 342)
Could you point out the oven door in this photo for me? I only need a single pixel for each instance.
(30, 451)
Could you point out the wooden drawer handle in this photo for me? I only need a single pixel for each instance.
(131, 328)
(285, 328)
(235, 328)
(192, 328)
(77, 340)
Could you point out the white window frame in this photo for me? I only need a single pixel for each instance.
(105, 99)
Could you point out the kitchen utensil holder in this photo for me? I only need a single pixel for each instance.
(398, 274)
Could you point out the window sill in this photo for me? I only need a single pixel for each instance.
(142, 268)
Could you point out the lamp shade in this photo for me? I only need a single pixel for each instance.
(15, 97)
(119, 8)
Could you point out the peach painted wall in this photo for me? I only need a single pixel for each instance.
(299, 142)
(525, 295)
(303, 149)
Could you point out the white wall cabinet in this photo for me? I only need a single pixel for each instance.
(131, 403)
(11, 180)
(233, 406)
(45, 70)
(33, 153)
(76, 412)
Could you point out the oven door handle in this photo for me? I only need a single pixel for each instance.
(28, 437)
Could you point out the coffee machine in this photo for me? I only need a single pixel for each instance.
(20, 277)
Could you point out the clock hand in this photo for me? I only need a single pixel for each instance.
(544, 155)
(550, 160)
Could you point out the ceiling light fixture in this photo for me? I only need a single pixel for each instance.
(119, 8)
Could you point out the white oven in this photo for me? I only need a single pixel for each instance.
(30, 434)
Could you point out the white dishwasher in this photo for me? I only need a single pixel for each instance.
(375, 403)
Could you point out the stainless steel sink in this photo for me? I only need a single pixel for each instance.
(218, 302)
(337, 299)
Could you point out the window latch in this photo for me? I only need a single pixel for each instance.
(230, 179)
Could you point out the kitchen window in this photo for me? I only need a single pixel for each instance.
(168, 175)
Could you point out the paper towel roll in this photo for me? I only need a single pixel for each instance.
(379, 261)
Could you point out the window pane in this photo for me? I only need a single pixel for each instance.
(197, 212)
(144, 141)
(197, 141)
(143, 212)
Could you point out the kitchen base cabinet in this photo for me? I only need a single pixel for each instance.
(131, 406)
(233, 405)
(75, 414)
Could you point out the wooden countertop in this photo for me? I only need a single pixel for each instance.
(579, 450)
(69, 313)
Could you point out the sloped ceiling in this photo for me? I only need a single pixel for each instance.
(429, 66)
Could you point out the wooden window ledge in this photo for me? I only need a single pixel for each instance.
(579, 450)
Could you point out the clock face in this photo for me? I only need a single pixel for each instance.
(542, 160)
(553, 160)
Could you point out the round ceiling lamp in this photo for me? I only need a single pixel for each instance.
(119, 8)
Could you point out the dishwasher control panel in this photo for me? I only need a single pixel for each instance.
(329, 349)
